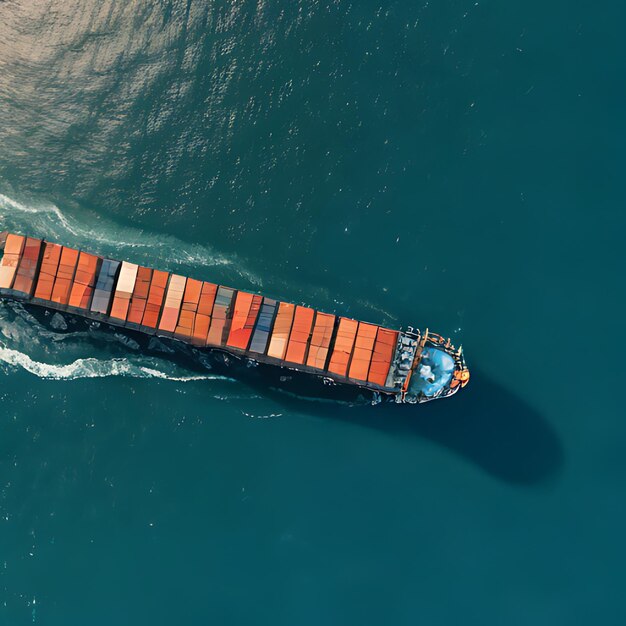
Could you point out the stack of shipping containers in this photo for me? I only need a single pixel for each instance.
(320, 340)
(139, 298)
(220, 317)
(65, 276)
(104, 286)
(124, 290)
(201, 313)
(155, 299)
(27, 270)
(48, 270)
(300, 335)
(246, 311)
(84, 281)
(264, 324)
(13, 248)
(202, 321)
(191, 299)
(280, 333)
(173, 302)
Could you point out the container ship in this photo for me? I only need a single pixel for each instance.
(329, 355)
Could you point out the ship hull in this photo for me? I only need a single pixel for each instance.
(253, 373)
(284, 344)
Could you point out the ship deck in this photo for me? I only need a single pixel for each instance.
(203, 314)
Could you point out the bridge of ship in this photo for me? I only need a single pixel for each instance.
(206, 315)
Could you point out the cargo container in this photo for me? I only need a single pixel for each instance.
(205, 319)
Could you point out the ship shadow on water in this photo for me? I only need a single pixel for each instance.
(485, 424)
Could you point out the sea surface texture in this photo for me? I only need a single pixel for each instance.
(454, 165)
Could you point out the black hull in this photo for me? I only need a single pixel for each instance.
(253, 373)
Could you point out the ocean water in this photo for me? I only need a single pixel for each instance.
(454, 165)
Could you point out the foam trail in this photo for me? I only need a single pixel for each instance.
(90, 368)
(7, 203)
(261, 417)
(97, 234)
(48, 221)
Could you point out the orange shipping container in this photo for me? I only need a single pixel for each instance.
(193, 289)
(281, 330)
(140, 295)
(65, 276)
(48, 270)
(155, 298)
(191, 298)
(207, 298)
(239, 335)
(344, 342)
(320, 340)
(201, 325)
(202, 321)
(13, 249)
(25, 276)
(84, 281)
(382, 356)
(362, 355)
(300, 335)
(219, 318)
(124, 290)
(173, 302)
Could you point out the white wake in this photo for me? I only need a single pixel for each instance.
(90, 368)
(99, 235)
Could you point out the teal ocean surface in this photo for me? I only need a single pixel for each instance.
(454, 165)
